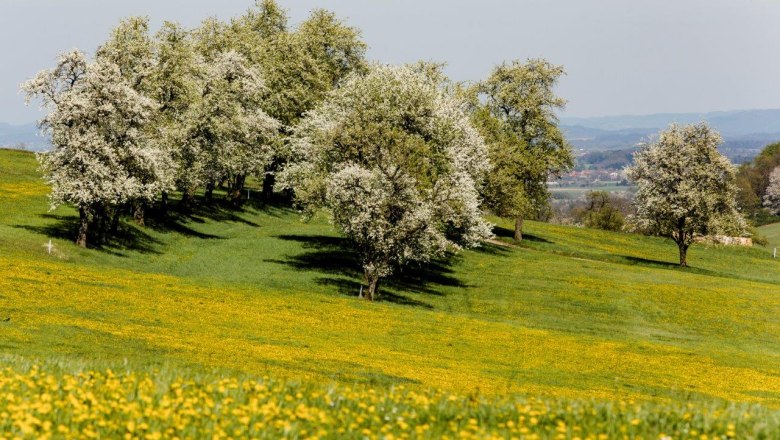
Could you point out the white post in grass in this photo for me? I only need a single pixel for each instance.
(247, 193)
(774, 253)
(49, 246)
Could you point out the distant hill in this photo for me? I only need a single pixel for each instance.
(745, 132)
(23, 136)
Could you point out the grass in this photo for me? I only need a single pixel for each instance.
(772, 234)
(571, 315)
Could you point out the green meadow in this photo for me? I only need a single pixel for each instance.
(570, 314)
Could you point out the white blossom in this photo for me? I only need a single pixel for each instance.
(396, 162)
(772, 196)
(685, 187)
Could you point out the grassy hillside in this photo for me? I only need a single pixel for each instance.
(772, 234)
(572, 313)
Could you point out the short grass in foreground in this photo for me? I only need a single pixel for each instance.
(107, 404)
(572, 314)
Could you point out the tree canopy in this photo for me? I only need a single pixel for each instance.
(514, 109)
(685, 187)
(396, 162)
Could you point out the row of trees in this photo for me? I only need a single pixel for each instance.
(183, 110)
(404, 160)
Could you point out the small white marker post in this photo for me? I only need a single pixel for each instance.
(247, 193)
(774, 253)
(49, 246)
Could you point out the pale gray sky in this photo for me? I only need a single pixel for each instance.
(622, 57)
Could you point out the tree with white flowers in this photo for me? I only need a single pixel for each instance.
(174, 83)
(772, 196)
(134, 52)
(227, 123)
(96, 121)
(685, 187)
(396, 162)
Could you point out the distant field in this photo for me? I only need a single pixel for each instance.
(569, 192)
(573, 313)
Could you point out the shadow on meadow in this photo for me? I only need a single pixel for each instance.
(508, 233)
(334, 257)
(126, 237)
(177, 219)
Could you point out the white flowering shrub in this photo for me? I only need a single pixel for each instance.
(395, 161)
(685, 187)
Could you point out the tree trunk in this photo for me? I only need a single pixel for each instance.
(268, 186)
(683, 254)
(81, 236)
(115, 220)
(139, 211)
(186, 199)
(519, 229)
(209, 191)
(373, 285)
(237, 187)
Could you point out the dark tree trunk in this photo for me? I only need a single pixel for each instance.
(209, 191)
(115, 220)
(373, 287)
(683, 254)
(519, 229)
(81, 236)
(186, 199)
(237, 187)
(164, 203)
(139, 213)
(268, 186)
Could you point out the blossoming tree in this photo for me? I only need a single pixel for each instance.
(772, 196)
(96, 122)
(395, 161)
(685, 187)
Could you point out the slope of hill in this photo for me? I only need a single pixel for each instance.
(572, 313)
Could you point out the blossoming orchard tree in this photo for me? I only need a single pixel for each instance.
(772, 196)
(685, 187)
(96, 121)
(134, 52)
(395, 161)
(236, 136)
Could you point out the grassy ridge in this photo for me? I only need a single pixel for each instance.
(572, 313)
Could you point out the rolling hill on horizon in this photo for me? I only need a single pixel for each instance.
(744, 132)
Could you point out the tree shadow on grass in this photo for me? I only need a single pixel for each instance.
(334, 257)
(670, 266)
(509, 233)
(126, 238)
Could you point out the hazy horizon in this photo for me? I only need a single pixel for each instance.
(622, 59)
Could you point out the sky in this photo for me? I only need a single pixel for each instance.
(621, 57)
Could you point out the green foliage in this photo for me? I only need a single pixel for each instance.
(753, 180)
(514, 109)
(600, 212)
